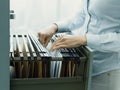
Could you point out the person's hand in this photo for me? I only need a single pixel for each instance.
(46, 34)
(69, 41)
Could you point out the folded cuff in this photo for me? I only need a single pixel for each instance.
(93, 41)
(62, 27)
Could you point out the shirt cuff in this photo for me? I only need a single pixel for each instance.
(62, 27)
(93, 41)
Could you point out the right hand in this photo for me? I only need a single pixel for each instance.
(46, 34)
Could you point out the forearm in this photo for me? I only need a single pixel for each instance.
(72, 23)
(82, 40)
(53, 27)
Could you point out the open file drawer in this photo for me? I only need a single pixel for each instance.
(81, 81)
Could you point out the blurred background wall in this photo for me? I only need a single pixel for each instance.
(33, 15)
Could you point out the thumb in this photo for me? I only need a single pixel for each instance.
(46, 41)
(41, 38)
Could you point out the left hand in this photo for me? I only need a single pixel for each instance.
(69, 41)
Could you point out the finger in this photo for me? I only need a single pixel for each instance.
(57, 42)
(46, 42)
(58, 46)
(38, 35)
(41, 38)
(60, 38)
(44, 39)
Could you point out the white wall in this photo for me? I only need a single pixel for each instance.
(36, 14)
